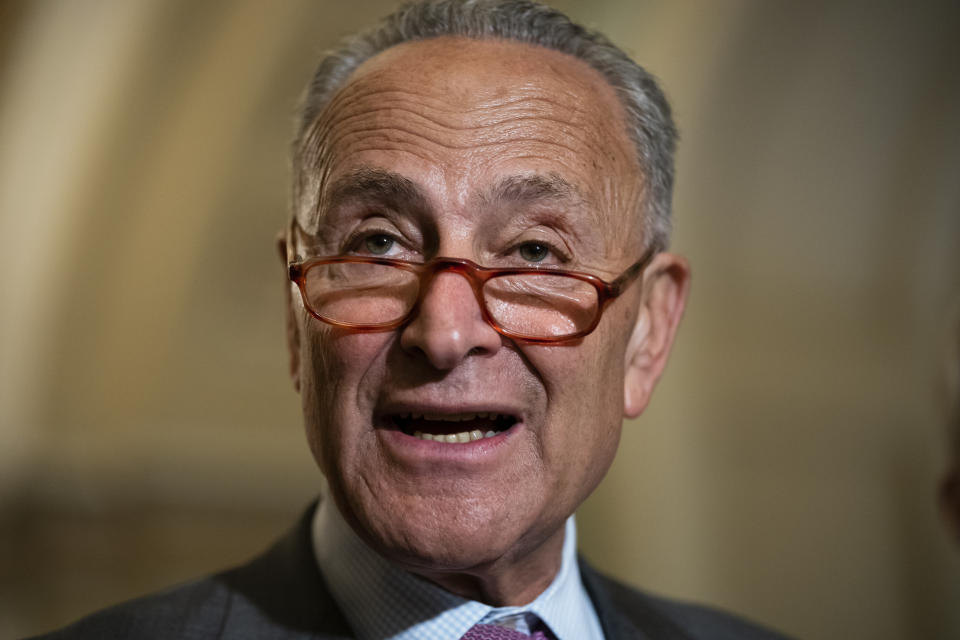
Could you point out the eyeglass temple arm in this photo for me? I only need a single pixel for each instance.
(617, 286)
(294, 231)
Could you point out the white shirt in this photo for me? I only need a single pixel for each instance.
(381, 601)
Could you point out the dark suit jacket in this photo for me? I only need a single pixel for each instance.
(281, 595)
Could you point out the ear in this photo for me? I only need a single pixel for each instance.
(949, 499)
(293, 330)
(666, 283)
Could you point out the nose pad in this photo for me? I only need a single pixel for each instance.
(448, 323)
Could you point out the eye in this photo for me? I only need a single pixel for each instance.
(533, 251)
(379, 244)
(372, 242)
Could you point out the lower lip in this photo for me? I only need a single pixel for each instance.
(414, 449)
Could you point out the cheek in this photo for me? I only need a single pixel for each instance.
(601, 406)
(584, 384)
(340, 371)
(600, 418)
(589, 377)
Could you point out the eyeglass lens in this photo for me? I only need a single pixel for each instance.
(533, 305)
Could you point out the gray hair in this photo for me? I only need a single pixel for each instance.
(648, 113)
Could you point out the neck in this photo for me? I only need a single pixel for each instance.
(506, 582)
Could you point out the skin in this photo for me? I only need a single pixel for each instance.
(476, 149)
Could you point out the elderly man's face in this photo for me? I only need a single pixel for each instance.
(505, 154)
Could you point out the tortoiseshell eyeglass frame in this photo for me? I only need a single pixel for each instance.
(476, 275)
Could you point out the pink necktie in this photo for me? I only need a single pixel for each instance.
(496, 632)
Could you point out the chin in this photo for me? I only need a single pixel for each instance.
(440, 534)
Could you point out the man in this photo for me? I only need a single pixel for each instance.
(479, 294)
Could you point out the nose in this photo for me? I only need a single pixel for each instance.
(448, 325)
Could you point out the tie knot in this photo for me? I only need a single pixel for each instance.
(499, 632)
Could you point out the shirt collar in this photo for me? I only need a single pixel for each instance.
(381, 601)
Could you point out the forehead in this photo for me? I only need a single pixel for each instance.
(457, 115)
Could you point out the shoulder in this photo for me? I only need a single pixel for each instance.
(279, 594)
(627, 612)
(194, 610)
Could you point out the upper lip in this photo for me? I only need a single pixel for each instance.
(428, 408)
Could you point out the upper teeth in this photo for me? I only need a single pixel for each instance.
(464, 436)
(452, 417)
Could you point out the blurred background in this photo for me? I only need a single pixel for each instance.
(787, 466)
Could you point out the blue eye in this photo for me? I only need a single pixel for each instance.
(378, 244)
(534, 251)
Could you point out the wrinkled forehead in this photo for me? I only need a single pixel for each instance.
(457, 115)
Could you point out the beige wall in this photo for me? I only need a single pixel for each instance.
(787, 465)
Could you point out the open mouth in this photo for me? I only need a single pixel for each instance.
(453, 428)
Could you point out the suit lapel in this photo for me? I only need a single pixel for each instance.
(626, 614)
(282, 594)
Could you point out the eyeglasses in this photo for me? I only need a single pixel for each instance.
(536, 305)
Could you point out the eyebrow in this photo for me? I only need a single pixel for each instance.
(528, 189)
(377, 185)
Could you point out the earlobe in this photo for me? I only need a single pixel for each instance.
(293, 342)
(292, 329)
(949, 499)
(666, 285)
(635, 388)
